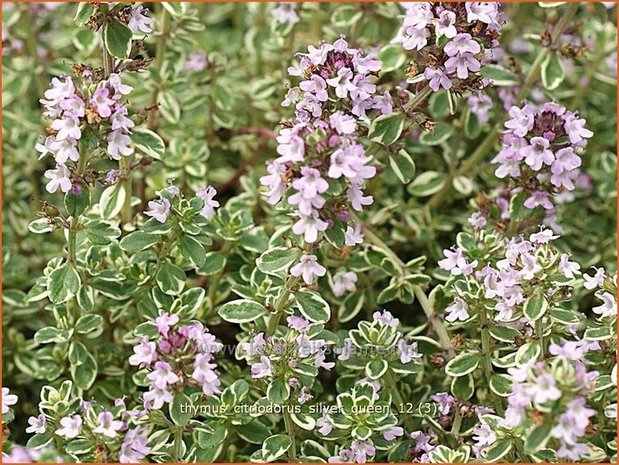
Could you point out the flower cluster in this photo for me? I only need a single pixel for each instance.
(557, 388)
(363, 415)
(121, 439)
(320, 156)
(452, 41)
(179, 355)
(541, 151)
(388, 344)
(293, 358)
(160, 209)
(78, 106)
(514, 270)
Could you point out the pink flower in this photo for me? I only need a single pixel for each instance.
(59, 178)
(71, 427)
(262, 369)
(342, 82)
(101, 102)
(8, 399)
(462, 44)
(37, 424)
(308, 267)
(344, 281)
(68, 127)
(107, 426)
(159, 209)
(309, 226)
(461, 64)
(156, 397)
(164, 322)
(415, 39)
(118, 143)
(139, 21)
(354, 236)
(207, 194)
(457, 311)
(162, 376)
(144, 353)
(438, 78)
(608, 307)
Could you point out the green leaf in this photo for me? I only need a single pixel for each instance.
(463, 387)
(63, 283)
(41, 226)
(499, 75)
(100, 232)
(117, 38)
(527, 352)
(88, 323)
(148, 142)
(386, 129)
(376, 368)
(253, 432)
(403, 166)
(504, 333)
(214, 262)
(501, 385)
(241, 311)
(138, 241)
(537, 438)
(277, 259)
(275, 446)
(278, 391)
(552, 71)
(79, 446)
(85, 374)
(391, 57)
(463, 364)
(180, 409)
(84, 11)
(192, 250)
(313, 307)
(77, 204)
(497, 451)
(535, 307)
(214, 438)
(171, 279)
(49, 334)
(111, 201)
(438, 135)
(77, 353)
(427, 183)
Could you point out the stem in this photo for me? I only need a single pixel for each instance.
(214, 284)
(126, 213)
(290, 430)
(455, 426)
(178, 441)
(539, 332)
(397, 400)
(281, 303)
(75, 221)
(436, 324)
(418, 98)
(469, 166)
(486, 348)
(437, 199)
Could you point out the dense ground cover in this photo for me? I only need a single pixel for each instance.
(309, 232)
